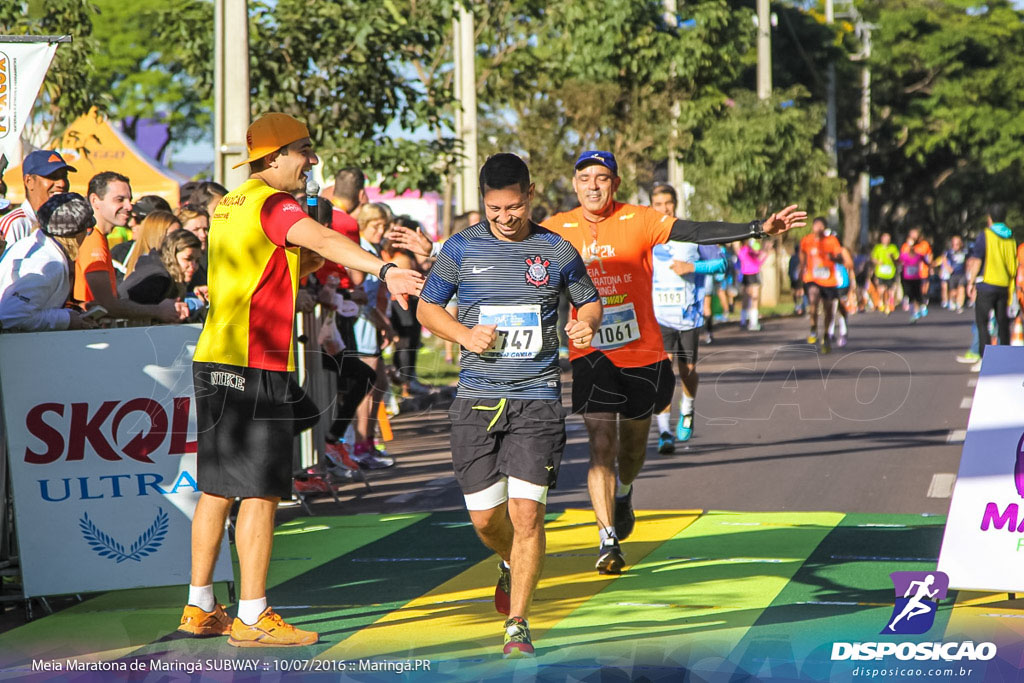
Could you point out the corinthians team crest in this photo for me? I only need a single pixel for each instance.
(537, 271)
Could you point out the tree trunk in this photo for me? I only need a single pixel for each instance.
(849, 206)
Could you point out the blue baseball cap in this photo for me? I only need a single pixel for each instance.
(43, 162)
(591, 157)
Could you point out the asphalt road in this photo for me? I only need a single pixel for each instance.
(874, 427)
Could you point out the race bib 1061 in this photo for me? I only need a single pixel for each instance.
(618, 328)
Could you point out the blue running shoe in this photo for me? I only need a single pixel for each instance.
(666, 444)
(684, 430)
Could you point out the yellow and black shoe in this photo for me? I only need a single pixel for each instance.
(517, 639)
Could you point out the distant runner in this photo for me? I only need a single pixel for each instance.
(819, 253)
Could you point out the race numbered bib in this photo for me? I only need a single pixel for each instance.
(518, 329)
(822, 273)
(669, 297)
(618, 328)
(912, 272)
(885, 270)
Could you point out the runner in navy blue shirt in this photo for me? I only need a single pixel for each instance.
(508, 423)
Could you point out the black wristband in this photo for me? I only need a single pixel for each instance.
(384, 271)
(757, 229)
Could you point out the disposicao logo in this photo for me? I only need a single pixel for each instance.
(917, 601)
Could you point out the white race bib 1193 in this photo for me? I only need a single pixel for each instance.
(618, 327)
(518, 330)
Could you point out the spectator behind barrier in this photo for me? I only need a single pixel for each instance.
(45, 174)
(196, 220)
(111, 198)
(206, 194)
(125, 234)
(149, 236)
(165, 273)
(35, 273)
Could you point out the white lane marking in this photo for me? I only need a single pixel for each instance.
(956, 436)
(942, 485)
(967, 403)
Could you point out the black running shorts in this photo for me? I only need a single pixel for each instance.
(247, 420)
(493, 437)
(599, 386)
(826, 293)
(681, 344)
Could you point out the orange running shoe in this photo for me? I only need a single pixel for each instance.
(269, 631)
(199, 623)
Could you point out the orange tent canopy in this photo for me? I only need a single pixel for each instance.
(92, 144)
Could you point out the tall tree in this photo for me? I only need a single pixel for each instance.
(759, 155)
(949, 105)
(604, 74)
(344, 67)
(143, 49)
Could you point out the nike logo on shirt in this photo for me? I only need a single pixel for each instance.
(477, 271)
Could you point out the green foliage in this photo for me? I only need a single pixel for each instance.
(66, 94)
(343, 67)
(760, 156)
(142, 64)
(596, 74)
(947, 88)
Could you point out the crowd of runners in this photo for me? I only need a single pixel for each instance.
(642, 287)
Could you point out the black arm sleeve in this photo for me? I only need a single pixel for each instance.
(713, 232)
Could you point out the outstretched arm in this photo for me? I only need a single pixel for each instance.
(717, 232)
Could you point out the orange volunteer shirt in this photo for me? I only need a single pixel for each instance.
(93, 257)
(617, 253)
(819, 268)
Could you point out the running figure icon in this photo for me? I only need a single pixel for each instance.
(916, 607)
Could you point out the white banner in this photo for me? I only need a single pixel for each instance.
(100, 428)
(23, 67)
(983, 544)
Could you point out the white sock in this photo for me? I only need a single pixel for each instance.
(506, 565)
(685, 405)
(202, 597)
(622, 490)
(249, 611)
(832, 327)
(842, 326)
(607, 533)
(754, 315)
(663, 419)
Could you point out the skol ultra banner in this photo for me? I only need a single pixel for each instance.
(101, 439)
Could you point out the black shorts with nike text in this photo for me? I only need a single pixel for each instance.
(600, 386)
(247, 419)
(492, 438)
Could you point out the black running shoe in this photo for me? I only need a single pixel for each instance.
(517, 639)
(609, 558)
(625, 520)
(503, 591)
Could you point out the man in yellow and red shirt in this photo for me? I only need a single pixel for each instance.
(626, 377)
(248, 408)
(819, 253)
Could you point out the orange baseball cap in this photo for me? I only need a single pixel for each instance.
(270, 133)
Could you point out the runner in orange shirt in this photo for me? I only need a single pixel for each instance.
(627, 376)
(819, 253)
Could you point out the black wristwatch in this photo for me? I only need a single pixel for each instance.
(384, 271)
(757, 229)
